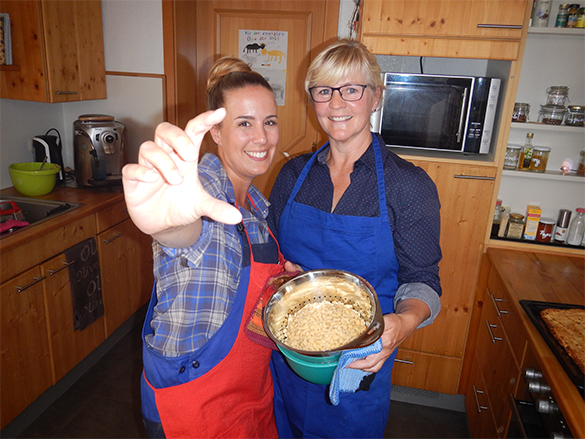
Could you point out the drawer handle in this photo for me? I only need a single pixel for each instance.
(479, 406)
(498, 310)
(65, 265)
(499, 26)
(66, 92)
(403, 361)
(35, 281)
(490, 326)
(116, 236)
(474, 177)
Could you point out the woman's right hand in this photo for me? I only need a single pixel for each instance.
(163, 193)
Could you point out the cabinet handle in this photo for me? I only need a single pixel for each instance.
(499, 26)
(474, 177)
(498, 310)
(116, 236)
(403, 361)
(490, 326)
(35, 281)
(479, 406)
(66, 92)
(65, 265)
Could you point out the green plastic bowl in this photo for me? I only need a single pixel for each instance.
(29, 180)
(317, 370)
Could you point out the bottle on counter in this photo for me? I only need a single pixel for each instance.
(562, 225)
(577, 228)
(526, 154)
(497, 218)
(573, 15)
(581, 18)
(562, 15)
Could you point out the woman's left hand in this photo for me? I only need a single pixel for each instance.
(397, 327)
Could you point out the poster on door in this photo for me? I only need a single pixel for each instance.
(265, 51)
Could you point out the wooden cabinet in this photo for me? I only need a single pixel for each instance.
(25, 368)
(463, 190)
(478, 406)
(489, 29)
(58, 51)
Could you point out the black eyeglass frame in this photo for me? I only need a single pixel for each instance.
(339, 90)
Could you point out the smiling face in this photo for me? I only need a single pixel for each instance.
(248, 136)
(347, 122)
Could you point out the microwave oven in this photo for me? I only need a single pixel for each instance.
(438, 112)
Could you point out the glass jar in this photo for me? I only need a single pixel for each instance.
(573, 15)
(515, 226)
(562, 15)
(557, 95)
(575, 116)
(539, 158)
(577, 228)
(512, 156)
(521, 111)
(551, 114)
(581, 168)
(545, 230)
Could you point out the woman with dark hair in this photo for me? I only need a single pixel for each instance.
(213, 252)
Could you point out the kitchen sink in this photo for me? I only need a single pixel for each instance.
(33, 211)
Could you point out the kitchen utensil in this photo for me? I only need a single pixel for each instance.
(43, 164)
(29, 180)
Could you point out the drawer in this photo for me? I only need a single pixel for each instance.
(111, 215)
(436, 373)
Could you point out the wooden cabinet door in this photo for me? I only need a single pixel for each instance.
(126, 269)
(445, 18)
(477, 405)
(68, 346)
(25, 367)
(464, 193)
(212, 29)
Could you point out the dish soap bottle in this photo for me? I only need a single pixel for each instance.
(526, 156)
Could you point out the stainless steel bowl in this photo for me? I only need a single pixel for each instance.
(324, 285)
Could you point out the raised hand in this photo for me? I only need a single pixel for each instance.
(163, 193)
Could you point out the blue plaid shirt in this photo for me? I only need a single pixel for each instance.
(196, 286)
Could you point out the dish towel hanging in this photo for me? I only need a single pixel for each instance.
(86, 286)
(347, 380)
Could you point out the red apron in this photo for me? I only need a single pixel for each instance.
(235, 398)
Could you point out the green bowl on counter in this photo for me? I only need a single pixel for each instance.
(29, 179)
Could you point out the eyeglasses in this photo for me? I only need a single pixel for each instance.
(350, 93)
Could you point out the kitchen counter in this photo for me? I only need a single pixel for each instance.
(547, 278)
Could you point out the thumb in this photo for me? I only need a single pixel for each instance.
(220, 211)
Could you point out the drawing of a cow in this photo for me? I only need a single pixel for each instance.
(254, 47)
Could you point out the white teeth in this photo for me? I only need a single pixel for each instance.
(257, 155)
(339, 118)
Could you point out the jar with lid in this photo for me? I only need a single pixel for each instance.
(545, 230)
(562, 15)
(551, 114)
(521, 111)
(581, 168)
(577, 228)
(512, 156)
(557, 95)
(515, 226)
(573, 15)
(562, 225)
(575, 116)
(539, 158)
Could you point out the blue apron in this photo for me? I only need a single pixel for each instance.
(361, 245)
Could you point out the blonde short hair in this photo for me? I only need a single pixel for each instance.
(341, 58)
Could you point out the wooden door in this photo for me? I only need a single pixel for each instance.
(463, 191)
(311, 26)
(25, 367)
(69, 346)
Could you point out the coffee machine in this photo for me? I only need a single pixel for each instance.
(48, 147)
(99, 147)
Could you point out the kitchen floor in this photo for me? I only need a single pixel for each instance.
(104, 403)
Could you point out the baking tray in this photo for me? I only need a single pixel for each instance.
(533, 309)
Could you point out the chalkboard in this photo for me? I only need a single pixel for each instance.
(86, 287)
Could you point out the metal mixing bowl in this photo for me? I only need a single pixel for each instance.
(317, 286)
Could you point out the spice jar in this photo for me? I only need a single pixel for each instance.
(557, 95)
(539, 158)
(575, 116)
(562, 225)
(545, 230)
(562, 15)
(573, 15)
(581, 168)
(512, 156)
(515, 226)
(551, 114)
(521, 111)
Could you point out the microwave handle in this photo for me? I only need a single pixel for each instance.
(462, 117)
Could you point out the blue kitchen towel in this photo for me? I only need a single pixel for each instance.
(348, 380)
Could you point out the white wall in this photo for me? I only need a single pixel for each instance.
(133, 43)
